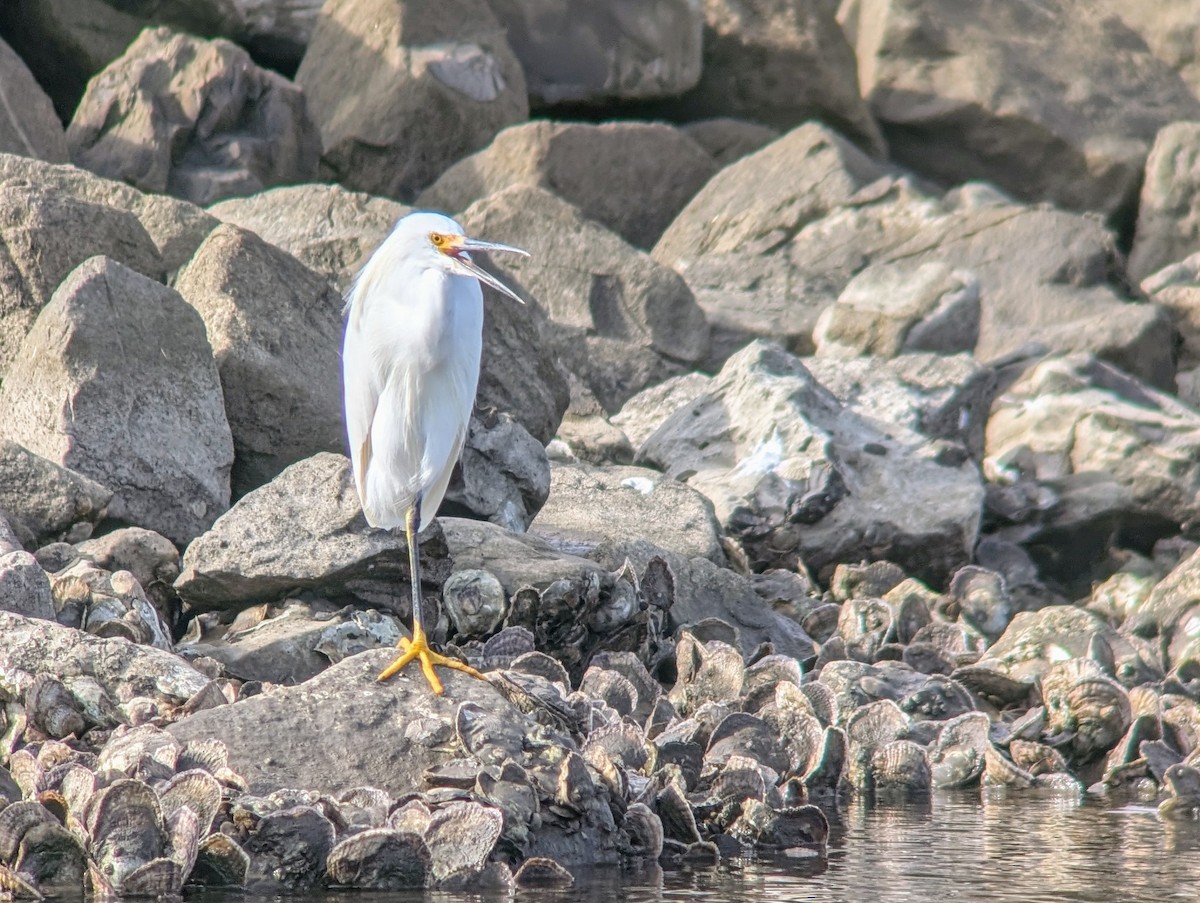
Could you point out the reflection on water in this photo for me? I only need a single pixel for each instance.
(1020, 847)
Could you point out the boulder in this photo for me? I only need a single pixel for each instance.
(24, 587)
(781, 63)
(792, 472)
(727, 139)
(503, 474)
(1073, 418)
(721, 242)
(942, 397)
(586, 434)
(632, 177)
(28, 125)
(583, 52)
(176, 227)
(1176, 289)
(66, 42)
(1050, 101)
(275, 328)
(151, 558)
(1168, 222)
(891, 308)
(304, 531)
(195, 119)
(330, 230)
(591, 505)
(590, 281)
(127, 394)
(385, 77)
(1168, 617)
(44, 235)
(44, 498)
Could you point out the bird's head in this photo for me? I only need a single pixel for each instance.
(442, 244)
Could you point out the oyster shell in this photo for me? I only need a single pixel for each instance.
(461, 837)
(379, 859)
(538, 871)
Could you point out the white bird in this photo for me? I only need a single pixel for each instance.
(410, 364)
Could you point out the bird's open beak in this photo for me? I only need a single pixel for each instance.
(471, 268)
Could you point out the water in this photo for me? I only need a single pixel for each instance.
(1020, 847)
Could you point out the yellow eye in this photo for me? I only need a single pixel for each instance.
(440, 241)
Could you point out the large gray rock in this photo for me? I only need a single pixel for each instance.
(1168, 224)
(119, 675)
(275, 328)
(1072, 418)
(589, 280)
(44, 235)
(1168, 616)
(1050, 101)
(44, 498)
(503, 474)
(587, 52)
(642, 414)
(891, 308)
(385, 78)
(727, 139)
(722, 241)
(28, 125)
(116, 380)
(195, 119)
(327, 228)
(632, 177)
(793, 472)
(175, 226)
(591, 505)
(303, 531)
(779, 62)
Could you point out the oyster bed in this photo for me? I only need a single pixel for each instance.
(128, 770)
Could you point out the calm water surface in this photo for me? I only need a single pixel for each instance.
(1020, 847)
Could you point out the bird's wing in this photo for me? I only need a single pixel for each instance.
(362, 387)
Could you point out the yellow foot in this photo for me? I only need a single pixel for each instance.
(418, 649)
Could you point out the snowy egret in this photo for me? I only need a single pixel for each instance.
(410, 364)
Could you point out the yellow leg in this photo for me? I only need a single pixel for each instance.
(418, 647)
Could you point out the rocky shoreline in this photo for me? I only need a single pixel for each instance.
(849, 443)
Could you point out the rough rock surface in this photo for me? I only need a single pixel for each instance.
(327, 228)
(591, 505)
(791, 471)
(176, 227)
(1176, 288)
(727, 139)
(230, 128)
(28, 125)
(503, 473)
(128, 395)
(24, 589)
(585, 52)
(1170, 28)
(1050, 101)
(1168, 225)
(302, 531)
(587, 279)
(44, 235)
(44, 498)
(632, 177)
(382, 77)
(275, 328)
(888, 309)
